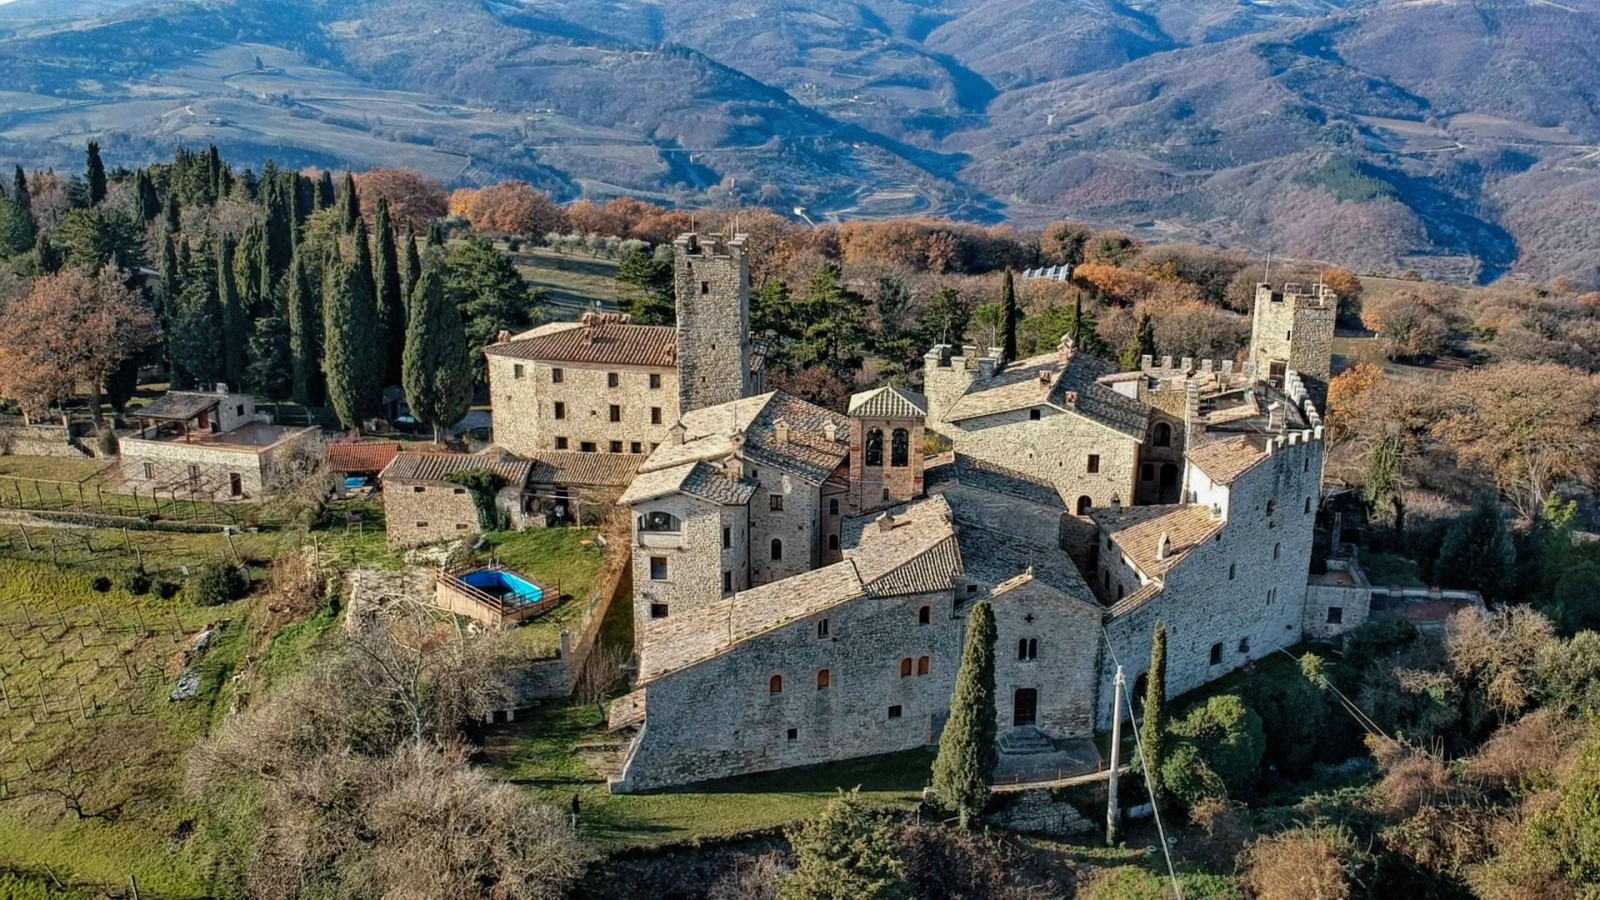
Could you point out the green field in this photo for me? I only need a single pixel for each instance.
(573, 282)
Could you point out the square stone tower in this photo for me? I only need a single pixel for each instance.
(711, 283)
(886, 441)
(1293, 331)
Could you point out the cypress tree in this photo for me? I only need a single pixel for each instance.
(95, 176)
(216, 181)
(302, 317)
(20, 194)
(18, 230)
(367, 283)
(248, 259)
(349, 204)
(270, 372)
(352, 360)
(196, 323)
(171, 219)
(231, 308)
(1147, 336)
(149, 202)
(325, 196)
(1154, 730)
(413, 270)
(48, 257)
(278, 227)
(435, 236)
(305, 201)
(964, 768)
(437, 369)
(390, 297)
(1008, 302)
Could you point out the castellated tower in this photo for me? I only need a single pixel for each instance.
(711, 282)
(1293, 331)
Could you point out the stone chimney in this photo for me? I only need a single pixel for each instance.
(1071, 399)
(676, 433)
(780, 429)
(1116, 502)
(502, 337)
(1164, 549)
(222, 387)
(1275, 420)
(886, 522)
(831, 432)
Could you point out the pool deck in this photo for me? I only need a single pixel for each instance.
(455, 594)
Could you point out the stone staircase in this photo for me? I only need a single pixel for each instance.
(1025, 741)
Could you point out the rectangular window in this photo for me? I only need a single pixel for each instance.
(1335, 615)
(775, 501)
(1094, 463)
(417, 489)
(822, 628)
(658, 568)
(635, 447)
(1216, 654)
(655, 381)
(149, 471)
(794, 733)
(658, 610)
(586, 447)
(560, 410)
(516, 371)
(461, 526)
(458, 490)
(422, 524)
(616, 446)
(561, 443)
(894, 711)
(612, 379)
(1033, 414)
(655, 415)
(555, 376)
(727, 582)
(616, 413)
(1244, 645)
(833, 506)
(727, 537)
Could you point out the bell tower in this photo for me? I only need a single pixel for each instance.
(886, 435)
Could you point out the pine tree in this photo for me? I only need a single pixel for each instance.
(391, 300)
(830, 319)
(95, 175)
(644, 288)
(1478, 552)
(270, 372)
(437, 371)
(302, 317)
(20, 194)
(846, 853)
(352, 361)
(964, 768)
(946, 318)
(18, 231)
(171, 218)
(1008, 301)
(349, 204)
(1153, 733)
(234, 335)
(325, 195)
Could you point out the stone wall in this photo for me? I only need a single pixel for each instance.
(1252, 614)
(417, 513)
(1039, 812)
(1049, 644)
(868, 708)
(796, 525)
(1055, 448)
(41, 440)
(695, 561)
(165, 465)
(1344, 588)
(525, 394)
(711, 282)
(1295, 328)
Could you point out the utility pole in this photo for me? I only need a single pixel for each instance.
(1113, 814)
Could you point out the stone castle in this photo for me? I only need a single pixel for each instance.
(803, 578)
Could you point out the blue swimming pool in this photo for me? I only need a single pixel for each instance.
(507, 586)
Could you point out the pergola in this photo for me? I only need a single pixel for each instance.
(180, 408)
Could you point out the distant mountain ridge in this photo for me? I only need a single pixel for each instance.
(1455, 137)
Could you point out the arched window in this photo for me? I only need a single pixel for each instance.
(833, 506)
(824, 679)
(924, 665)
(1308, 506)
(1083, 505)
(905, 667)
(1276, 549)
(1232, 570)
(1163, 435)
(924, 615)
(874, 447)
(777, 549)
(659, 521)
(833, 542)
(900, 448)
(775, 684)
(1027, 648)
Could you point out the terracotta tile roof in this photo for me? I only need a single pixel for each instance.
(409, 466)
(572, 467)
(599, 340)
(361, 456)
(1072, 384)
(1137, 531)
(888, 402)
(1223, 461)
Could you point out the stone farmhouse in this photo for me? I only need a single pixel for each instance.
(421, 505)
(814, 573)
(606, 385)
(214, 445)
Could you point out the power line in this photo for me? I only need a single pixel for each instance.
(1144, 764)
(1360, 715)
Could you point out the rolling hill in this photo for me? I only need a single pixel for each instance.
(1457, 138)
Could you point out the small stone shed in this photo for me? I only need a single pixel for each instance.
(422, 506)
(212, 445)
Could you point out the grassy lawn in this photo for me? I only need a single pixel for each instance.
(547, 758)
(573, 282)
(558, 559)
(52, 468)
(1391, 570)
